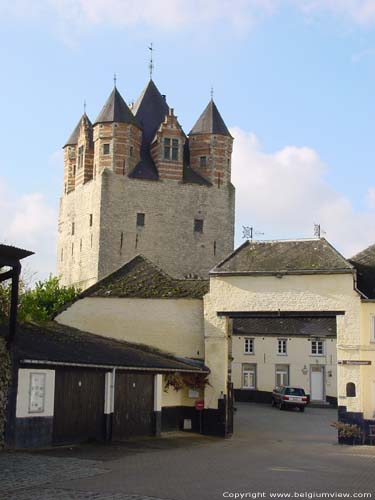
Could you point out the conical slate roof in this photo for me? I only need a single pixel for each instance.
(73, 138)
(116, 110)
(210, 122)
(150, 110)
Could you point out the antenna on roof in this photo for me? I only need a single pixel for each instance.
(151, 63)
(114, 79)
(248, 233)
(318, 231)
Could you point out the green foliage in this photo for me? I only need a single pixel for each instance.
(347, 430)
(178, 381)
(37, 304)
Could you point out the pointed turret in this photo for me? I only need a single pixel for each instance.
(210, 122)
(210, 145)
(116, 110)
(117, 136)
(78, 147)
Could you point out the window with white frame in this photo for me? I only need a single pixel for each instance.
(249, 346)
(282, 347)
(282, 375)
(317, 347)
(248, 376)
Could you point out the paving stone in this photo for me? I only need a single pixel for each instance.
(64, 494)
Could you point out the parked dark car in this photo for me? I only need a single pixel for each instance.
(289, 397)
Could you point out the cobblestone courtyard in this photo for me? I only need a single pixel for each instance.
(271, 451)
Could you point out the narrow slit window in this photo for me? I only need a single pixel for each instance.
(106, 148)
(198, 225)
(140, 220)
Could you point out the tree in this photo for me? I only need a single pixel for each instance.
(40, 303)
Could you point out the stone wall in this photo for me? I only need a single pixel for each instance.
(5, 374)
(167, 238)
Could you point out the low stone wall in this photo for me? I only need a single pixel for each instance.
(5, 374)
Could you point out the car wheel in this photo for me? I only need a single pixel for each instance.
(302, 409)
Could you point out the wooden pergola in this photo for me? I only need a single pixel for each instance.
(10, 257)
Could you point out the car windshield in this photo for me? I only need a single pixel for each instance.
(294, 391)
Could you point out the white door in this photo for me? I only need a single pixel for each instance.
(317, 383)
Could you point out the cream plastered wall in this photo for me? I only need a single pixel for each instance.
(172, 325)
(298, 357)
(170, 397)
(23, 393)
(268, 293)
(365, 352)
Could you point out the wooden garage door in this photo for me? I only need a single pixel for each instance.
(79, 405)
(134, 404)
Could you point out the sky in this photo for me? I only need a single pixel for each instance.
(293, 79)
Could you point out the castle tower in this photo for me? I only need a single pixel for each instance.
(143, 188)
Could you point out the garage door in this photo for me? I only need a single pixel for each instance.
(79, 406)
(134, 404)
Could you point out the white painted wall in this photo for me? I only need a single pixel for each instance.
(172, 325)
(23, 393)
(298, 357)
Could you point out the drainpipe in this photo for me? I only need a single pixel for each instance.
(109, 403)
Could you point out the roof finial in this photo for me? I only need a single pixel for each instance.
(212, 93)
(84, 107)
(151, 64)
(114, 79)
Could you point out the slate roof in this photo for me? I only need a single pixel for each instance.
(74, 136)
(304, 327)
(10, 254)
(140, 278)
(364, 263)
(55, 343)
(210, 122)
(116, 110)
(284, 257)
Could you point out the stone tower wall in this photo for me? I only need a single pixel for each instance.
(168, 237)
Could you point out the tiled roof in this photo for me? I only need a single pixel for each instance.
(116, 110)
(364, 262)
(284, 257)
(73, 139)
(316, 327)
(210, 122)
(142, 279)
(58, 343)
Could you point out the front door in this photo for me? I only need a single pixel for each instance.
(317, 383)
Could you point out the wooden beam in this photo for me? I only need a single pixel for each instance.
(7, 275)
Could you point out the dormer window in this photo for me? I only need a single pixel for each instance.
(170, 151)
(106, 149)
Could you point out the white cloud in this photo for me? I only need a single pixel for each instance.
(29, 222)
(284, 193)
(360, 11)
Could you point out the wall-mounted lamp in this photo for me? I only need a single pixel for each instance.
(304, 370)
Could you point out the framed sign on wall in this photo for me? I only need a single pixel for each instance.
(37, 392)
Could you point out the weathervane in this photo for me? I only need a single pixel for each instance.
(151, 64)
(114, 79)
(212, 93)
(84, 107)
(248, 232)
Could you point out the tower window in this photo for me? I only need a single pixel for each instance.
(170, 149)
(106, 149)
(73, 227)
(131, 151)
(203, 161)
(90, 220)
(198, 225)
(140, 220)
(80, 157)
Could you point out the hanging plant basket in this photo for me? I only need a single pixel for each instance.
(178, 381)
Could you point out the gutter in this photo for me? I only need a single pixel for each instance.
(110, 367)
(280, 274)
